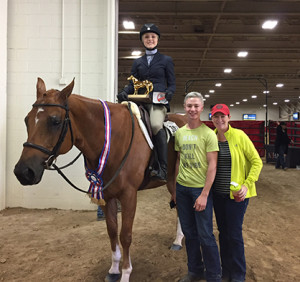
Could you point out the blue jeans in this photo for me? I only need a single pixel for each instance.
(230, 217)
(100, 212)
(197, 228)
(280, 159)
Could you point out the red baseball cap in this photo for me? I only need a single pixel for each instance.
(221, 108)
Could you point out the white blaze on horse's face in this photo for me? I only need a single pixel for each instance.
(36, 117)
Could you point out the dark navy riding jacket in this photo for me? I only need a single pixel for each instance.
(160, 72)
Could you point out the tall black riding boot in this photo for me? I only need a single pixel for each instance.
(161, 148)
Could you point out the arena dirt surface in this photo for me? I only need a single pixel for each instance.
(60, 245)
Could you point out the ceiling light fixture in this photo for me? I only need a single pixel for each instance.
(136, 53)
(227, 70)
(287, 100)
(211, 91)
(231, 105)
(269, 24)
(275, 103)
(206, 95)
(237, 103)
(245, 100)
(279, 85)
(242, 54)
(266, 92)
(218, 84)
(128, 25)
(253, 96)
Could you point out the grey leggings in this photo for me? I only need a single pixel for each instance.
(157, 115)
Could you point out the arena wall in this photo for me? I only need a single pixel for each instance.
(56, 40)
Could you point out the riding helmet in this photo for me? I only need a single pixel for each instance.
(150, 27)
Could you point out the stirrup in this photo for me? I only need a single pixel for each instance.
(158, 175)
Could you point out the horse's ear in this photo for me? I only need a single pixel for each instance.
(40, 87)
(67, 91)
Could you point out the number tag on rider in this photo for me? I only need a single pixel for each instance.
(159, 98)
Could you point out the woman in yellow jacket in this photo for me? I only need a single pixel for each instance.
(239, 166)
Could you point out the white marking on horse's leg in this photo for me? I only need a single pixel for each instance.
(126, 272)
(179, 234)
(36, 117)
(116, 258)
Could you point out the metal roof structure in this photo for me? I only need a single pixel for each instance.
(204, 38)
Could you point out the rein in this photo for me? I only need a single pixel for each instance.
(117, 171)
(53, 154)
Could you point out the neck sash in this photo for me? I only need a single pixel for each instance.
(95, 176)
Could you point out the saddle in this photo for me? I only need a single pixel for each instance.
(144, 122)
(169, 126)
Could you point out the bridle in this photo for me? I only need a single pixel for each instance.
(66, 124)
(54, 153)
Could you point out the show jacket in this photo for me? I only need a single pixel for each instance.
(160, 72)
(246, 163)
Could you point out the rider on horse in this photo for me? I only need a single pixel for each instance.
(159, 69)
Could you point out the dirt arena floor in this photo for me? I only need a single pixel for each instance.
(58, 245)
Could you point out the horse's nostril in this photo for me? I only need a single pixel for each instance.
(30, 174)
(25, 175)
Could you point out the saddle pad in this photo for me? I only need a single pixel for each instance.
(171, 127)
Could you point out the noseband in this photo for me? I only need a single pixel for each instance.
(66, 124)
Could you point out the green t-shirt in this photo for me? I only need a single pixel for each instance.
(193, 144)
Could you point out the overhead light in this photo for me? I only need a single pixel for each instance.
(279, 85)
(227, 70)
(264, 105)
(128, 25)
(136, 53)
(237, 103)
(287, 100)
(242, 54)
(245, 100)
(269, 24)
(204, 99)
(254, 96)
(275, 103)
(231, 105)
(128, 32)
(211, 91)
(206, 95)
(266, 92)
(218, 84)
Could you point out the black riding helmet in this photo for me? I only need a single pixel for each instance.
(150, 27)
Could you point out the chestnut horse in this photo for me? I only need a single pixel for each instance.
(58, 121)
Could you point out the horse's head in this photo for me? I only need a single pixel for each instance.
(132, 78)
(49, 133)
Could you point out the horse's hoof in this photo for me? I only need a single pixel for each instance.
(176, 247)
(112, 277)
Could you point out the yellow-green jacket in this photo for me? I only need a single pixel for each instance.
(246, 163)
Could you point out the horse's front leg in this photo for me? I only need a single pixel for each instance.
(112, 229)
(128, 213)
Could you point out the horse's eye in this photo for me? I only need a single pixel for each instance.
(55, 120)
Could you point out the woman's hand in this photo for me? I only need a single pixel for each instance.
(240, 195)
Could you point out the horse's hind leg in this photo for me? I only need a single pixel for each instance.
(177, 244)
(112, 229)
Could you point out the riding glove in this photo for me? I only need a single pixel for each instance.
(169, 95)
(122, 96)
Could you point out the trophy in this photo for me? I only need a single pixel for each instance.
(136, 97)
